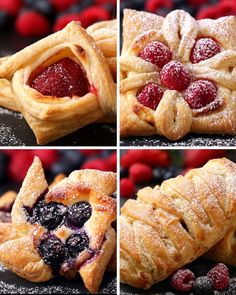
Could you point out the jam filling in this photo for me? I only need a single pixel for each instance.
(64, 78)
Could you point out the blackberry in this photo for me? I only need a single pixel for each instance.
(76, 243)
(79, 213)
(203, 286)
(52, 251)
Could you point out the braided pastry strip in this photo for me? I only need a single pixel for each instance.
(173, 117)
(173, 224)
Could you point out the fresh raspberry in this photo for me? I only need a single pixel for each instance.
(19, 165)
(98, 164)
(151, 158)
(219, 275)
(32, 23)
(154, 5)
(105, 1)
(64, 20)
(157, 53)
(140, 173)
(61, 5)
(127, 188)
(63, 78)
(47, 157)
(196, 2)
(93, 14)
(12, 7)
(88, 153)
(203, 49)
(223, 8)
(183, 280)
(200, 94)
(175, 76)
(150, 96)
(202, 286)
(197, 158)
(112, 160)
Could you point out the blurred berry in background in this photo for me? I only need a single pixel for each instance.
(15, 163)
(140, 168)
(197, 8)
(41, 17)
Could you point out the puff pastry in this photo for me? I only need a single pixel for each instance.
(64, 229)
(184, 57)
(173, 224)
(59, 108)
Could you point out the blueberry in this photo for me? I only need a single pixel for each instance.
(79, 213)
(76, 243)
(52, 251)
(73, 158)
(138, 4)
(76, 8)
(106, 153)
(171, 171)
(203, 286)
(5, 19)
(123, 172)
(179, 3)
(49, 215)
(158, 175)
(61, 166)
(163, 11)
(190, 9)
(44, 7)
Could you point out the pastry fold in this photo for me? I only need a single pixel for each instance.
(173, 117)
(90, 186)
(175, 223)
(53, 117)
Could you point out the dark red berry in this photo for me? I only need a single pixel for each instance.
(140, 173)
(63, 78)
(219, 276)
(200, 94)
(157, 53)
(203, 49)
(183, 280)
(150, 96)
(175, 76)
(79, 213)
(127, 187)
(77, 243)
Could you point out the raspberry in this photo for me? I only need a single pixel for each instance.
(63, 78)
(183, 280)
(32, 23)
(61, 5)
(150, 96)
(88, 153)
(219, 276)
(154, 5)
(99, 164)
(140, 173)
(200, 94)
(197, 158)
(11, 6)
(19, 165)
(175, 76)
(203, 286)
(224, 8)
(112, 159)
(64, 20)
(151, 158)
(127, 187)
(196, 2)
(203, 49)
(93, 14)
(157, 53)
(47, 157)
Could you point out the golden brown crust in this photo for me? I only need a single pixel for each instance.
(173, 224)
(173, 117)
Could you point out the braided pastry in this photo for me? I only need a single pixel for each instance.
(178, 75)
(56, 86)
(63, 229)
(173, 224)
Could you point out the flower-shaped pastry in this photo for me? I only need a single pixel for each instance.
(178, 75)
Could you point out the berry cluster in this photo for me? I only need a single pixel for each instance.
(153, 166)
(15, 163)
(217, 278)
(41, 17)
(197, 8)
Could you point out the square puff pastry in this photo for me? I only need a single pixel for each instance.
(52, 117)
(173, 224)
(91, 187)
(173, 117)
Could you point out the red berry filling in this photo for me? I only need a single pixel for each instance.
(150, 96)
(200, 94)
(175, 76)
(219, 275)
(156, 53)
(203, 49)
(183, 280)
(63, 78)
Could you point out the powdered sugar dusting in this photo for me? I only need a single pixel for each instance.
(8, 137)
